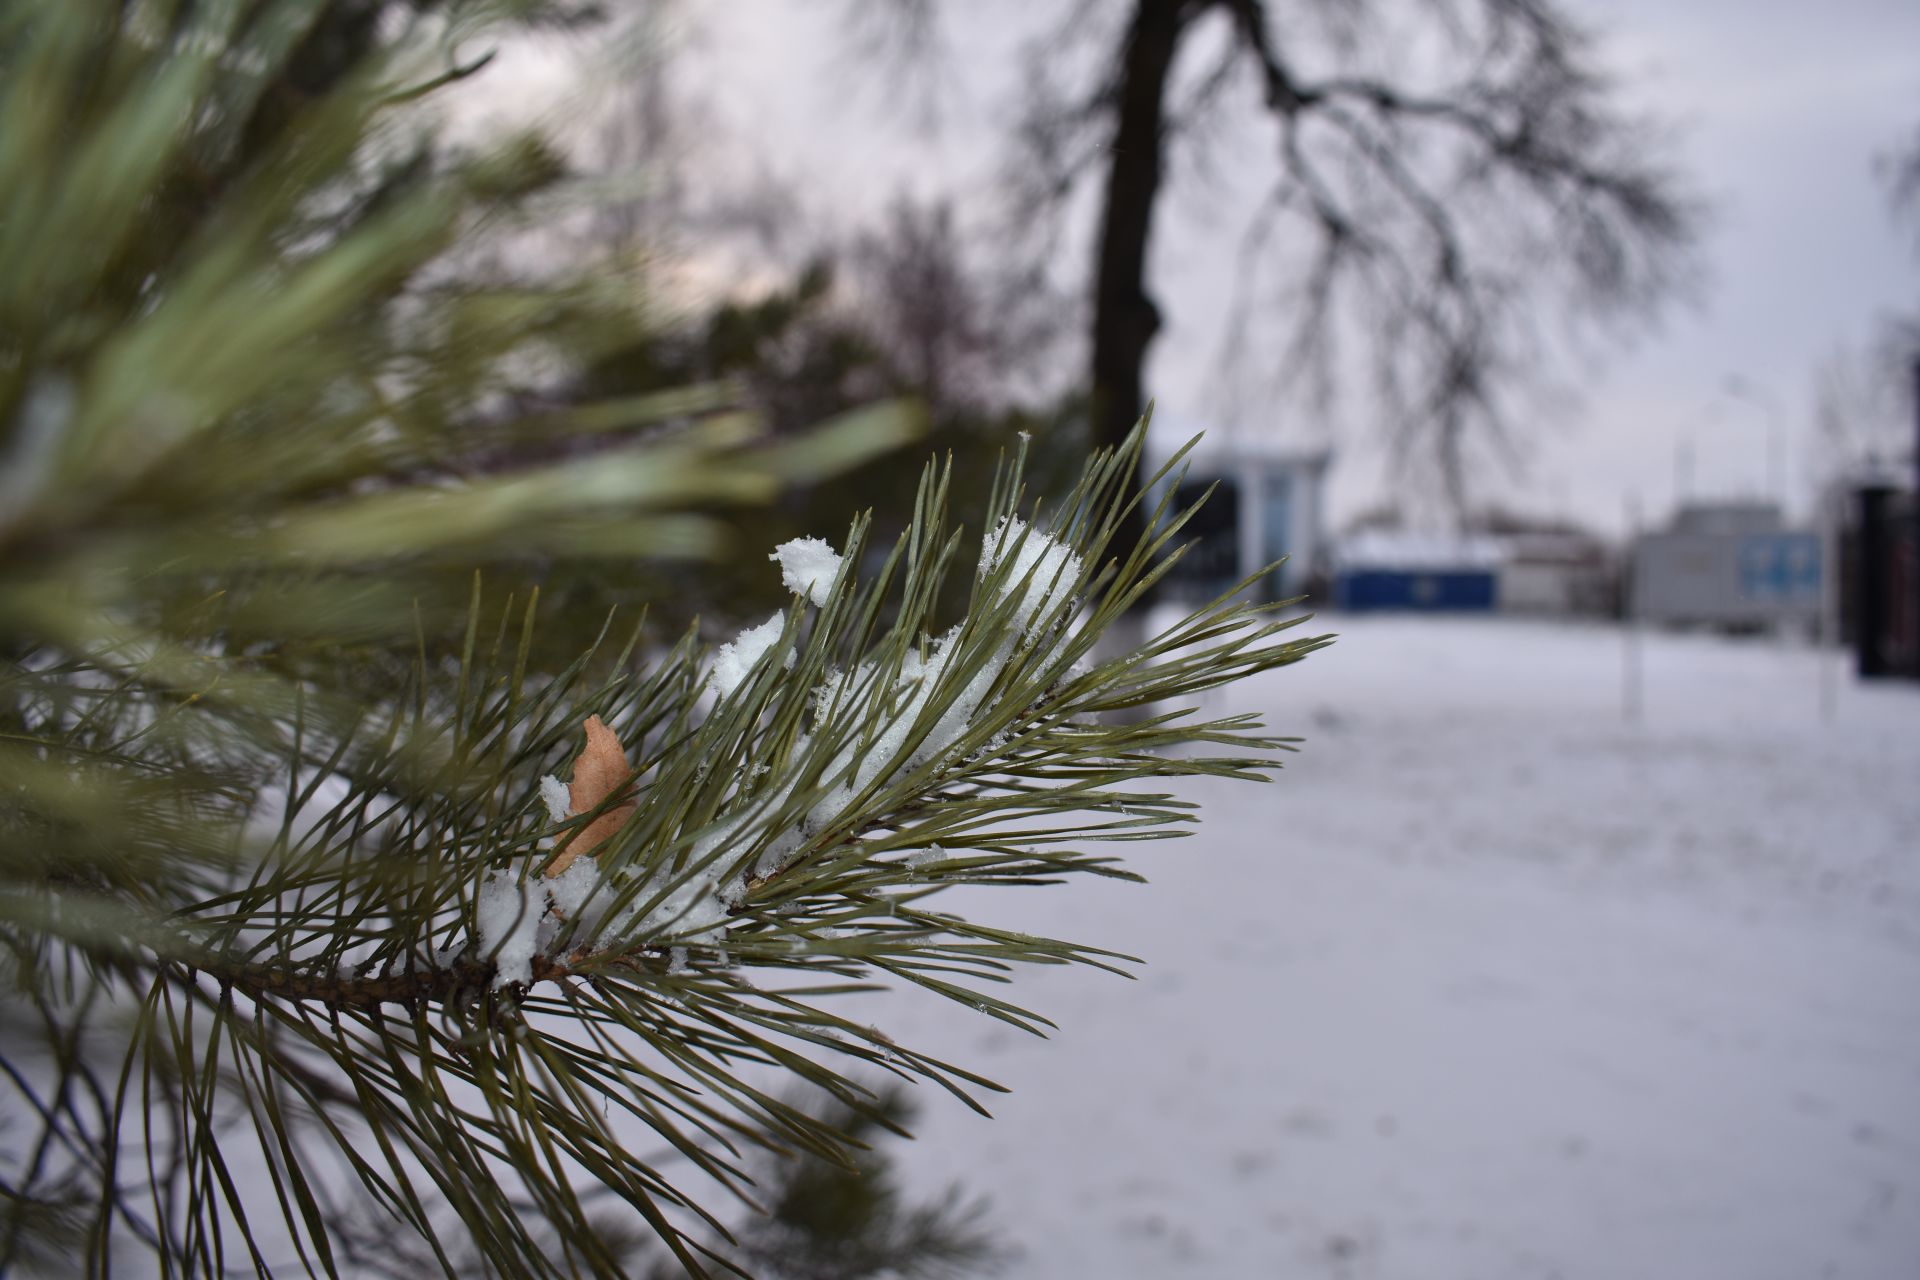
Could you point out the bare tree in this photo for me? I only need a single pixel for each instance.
(964, 331)
(1862, 413)
(1900, 169)
(1443, 177)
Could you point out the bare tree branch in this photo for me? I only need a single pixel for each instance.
(1441, 211)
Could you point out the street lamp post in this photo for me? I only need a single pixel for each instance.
(1738, 387)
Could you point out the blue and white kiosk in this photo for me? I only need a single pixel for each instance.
(1269, 505)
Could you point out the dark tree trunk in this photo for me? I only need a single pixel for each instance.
(1124, 316)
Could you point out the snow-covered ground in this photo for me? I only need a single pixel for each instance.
(1489, 985)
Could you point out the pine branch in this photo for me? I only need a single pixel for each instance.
(463, 980)
(285, 917)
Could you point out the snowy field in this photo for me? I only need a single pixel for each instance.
(1490, 985)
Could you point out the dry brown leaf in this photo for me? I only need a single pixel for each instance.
(600, 770)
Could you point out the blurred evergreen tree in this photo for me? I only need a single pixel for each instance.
(897, 317)
(849, 1221)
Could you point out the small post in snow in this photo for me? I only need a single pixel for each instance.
(1630, 656)
(1832, 519)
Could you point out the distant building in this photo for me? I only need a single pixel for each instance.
(1558, 575)
(1268, 504)
(1550, 566)
(1728, 564)
(1392, 569)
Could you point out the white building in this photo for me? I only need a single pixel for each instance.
(1269, 505)
(1729, 564)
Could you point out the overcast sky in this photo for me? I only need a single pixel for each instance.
(1779, 109)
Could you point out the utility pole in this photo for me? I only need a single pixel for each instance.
(1831, 516)
(1743, 388)
(1632, 662)
(1913, 524)
(1682, 468)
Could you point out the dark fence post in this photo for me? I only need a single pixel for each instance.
(1911, 532)
(1871, 581)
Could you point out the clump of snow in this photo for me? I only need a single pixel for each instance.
(808, 566)
(1044, 570)
(559, 802)
(696, 906)
(507, 917)
(693, 909)
(571, 889)
(780, 850)
(734, 662)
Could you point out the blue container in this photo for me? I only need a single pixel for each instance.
(1426, 590)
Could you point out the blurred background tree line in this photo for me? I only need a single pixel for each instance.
(1450, 193)
(1447, 184)
(1452, 189)
(1865, 397)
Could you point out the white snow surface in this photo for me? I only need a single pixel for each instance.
(1491, 983)
(808, 567)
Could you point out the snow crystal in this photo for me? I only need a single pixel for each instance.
(559, 803)
(507, 918)
(677, 960)
(734, 662)
(921, 857)
(953, 722)
(835, 802)
(808, 566)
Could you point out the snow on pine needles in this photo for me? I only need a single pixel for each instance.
(516, 920)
